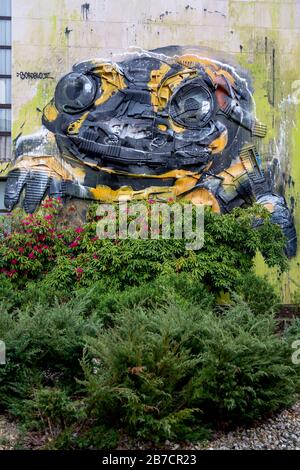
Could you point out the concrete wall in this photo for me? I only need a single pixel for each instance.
(261, 36)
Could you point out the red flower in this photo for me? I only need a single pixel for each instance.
(94, 239)
(21, 250)
(11, 273)
(48, 217)
(79, 230)
(14, 261)
(95, 256)
(74, 244)
(31, 256)
(79, 270)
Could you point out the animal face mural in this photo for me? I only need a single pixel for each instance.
(149, 126)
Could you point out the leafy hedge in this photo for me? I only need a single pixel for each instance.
(41, 245)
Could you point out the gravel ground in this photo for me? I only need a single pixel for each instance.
(280, 432)
(9, 434)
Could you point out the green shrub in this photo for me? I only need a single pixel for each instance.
(51, 410)
(95, 437)
(258, 293)
(43, 346)
(246, 370)
(171, 372)
(161, 361)
(135, 370)
(105, 301)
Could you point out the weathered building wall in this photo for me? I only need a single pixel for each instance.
(261, 36)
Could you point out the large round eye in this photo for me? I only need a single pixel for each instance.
(75, 92)
(191, 106)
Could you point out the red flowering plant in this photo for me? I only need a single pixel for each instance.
(35, 245)
(30, 242)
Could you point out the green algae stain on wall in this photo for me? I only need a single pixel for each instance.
(29, 116)
(274, 65)
(286, 123)
(294, 192)
(261, 82)
(28, 119)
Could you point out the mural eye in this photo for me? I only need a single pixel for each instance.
(75, 92)
(191, 106)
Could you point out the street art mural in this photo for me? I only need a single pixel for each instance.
(150, 126)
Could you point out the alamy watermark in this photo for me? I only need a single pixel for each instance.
(154, 221)
(296, 353)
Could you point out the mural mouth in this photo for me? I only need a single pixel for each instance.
(156, 152)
